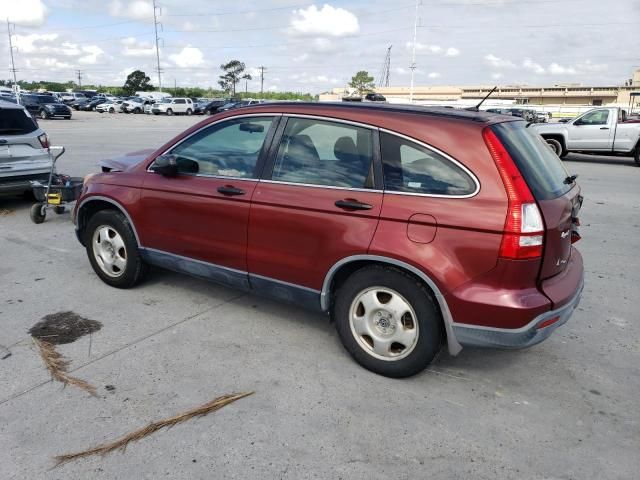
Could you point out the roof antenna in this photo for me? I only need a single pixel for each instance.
(477, 107)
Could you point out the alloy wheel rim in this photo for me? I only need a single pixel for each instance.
(383, 323)
(109, 251)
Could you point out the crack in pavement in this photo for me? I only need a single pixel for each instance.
(125, 346)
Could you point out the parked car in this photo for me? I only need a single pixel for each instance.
(45, 106)
(24, 155)
(374, 97)
(79, 103)
(524, 113)
(72, 97)
(602, 131)
(212, 106)
(457, 227)
(241, 103)
(109, 107)
(93, 104)
(135, 105)
(500, 111)
(171, 106)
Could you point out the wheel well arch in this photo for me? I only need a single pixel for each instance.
(93, 205)
(555, 136)
(341, 270)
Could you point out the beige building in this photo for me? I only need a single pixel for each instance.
(557, 95)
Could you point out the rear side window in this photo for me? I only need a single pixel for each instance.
(319, 152)
(541, 168)
(14, 121)
(411, 168)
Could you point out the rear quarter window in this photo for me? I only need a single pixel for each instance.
(543, 171)
(412, 168)
(15, 121)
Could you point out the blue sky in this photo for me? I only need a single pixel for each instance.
(307, 46)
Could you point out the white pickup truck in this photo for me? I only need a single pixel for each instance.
(604, 131)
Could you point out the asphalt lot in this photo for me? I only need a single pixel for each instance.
(565, 409)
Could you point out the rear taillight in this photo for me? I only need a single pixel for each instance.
(44, 140)
(523, 235)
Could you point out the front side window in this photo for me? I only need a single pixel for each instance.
(319, 152)
(599, 117)
(228, 149)
(411, 168)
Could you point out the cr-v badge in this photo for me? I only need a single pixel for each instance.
(564, 234)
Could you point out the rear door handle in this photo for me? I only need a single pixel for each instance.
(604, 128)
(230, 190)
(353, 205)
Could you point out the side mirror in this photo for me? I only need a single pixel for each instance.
(166, 165)
(251, 127)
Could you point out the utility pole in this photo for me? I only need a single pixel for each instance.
(262, 69)
(175, 87)
(79, 72)
(155, 26)
(413, 54)
(246, 86)
(13, 65)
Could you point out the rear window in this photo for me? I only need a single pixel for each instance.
(14, 121)
(542, 169)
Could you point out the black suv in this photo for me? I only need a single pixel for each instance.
(45, 106)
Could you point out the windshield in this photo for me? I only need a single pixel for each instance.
(542, 169)
(166, 100)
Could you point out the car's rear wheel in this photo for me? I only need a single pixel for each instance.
(637, 156)
(387, 321)
(112, 110)
(189, 111)
(43, 114)
(169, 112)
(113, 250)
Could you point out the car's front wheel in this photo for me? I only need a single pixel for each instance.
(637, 156)
(387, 321)
(113, 250)
(169, 112)
(43, 114)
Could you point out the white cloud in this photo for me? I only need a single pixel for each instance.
(435, 49)
(33, 43)
(92, 55)
(434, 75)
(133, 48)
(24, 12)
(401, 71)
(301, 58)
(452, 52)
(188, 57)
(497, 76)
(329, 21)
(555, 69)
(138, 9)
(592, 67)
(533, 66)
(498, 62)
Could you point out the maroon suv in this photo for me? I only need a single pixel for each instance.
(410, 226)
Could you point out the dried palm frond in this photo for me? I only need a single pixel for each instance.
(122, 442)
(58, 367)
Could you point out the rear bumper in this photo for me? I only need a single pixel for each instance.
(21, 184)
(539, 329)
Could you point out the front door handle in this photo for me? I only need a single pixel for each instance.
(604, 128)
(230, 190)
(350, 204)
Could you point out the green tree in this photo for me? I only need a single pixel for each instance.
(233, 73)
(137, 81)
(362, 82)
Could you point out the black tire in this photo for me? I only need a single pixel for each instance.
(429, 323)
(137, 110)
(112, 110)
(59, 210)
(135, 269)
(37, 213)
(189, 112)
(43, 114)
(68, 118)
(169, 112)
(637, 156)
(555, 145)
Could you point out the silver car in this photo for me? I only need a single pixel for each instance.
(24, 154)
